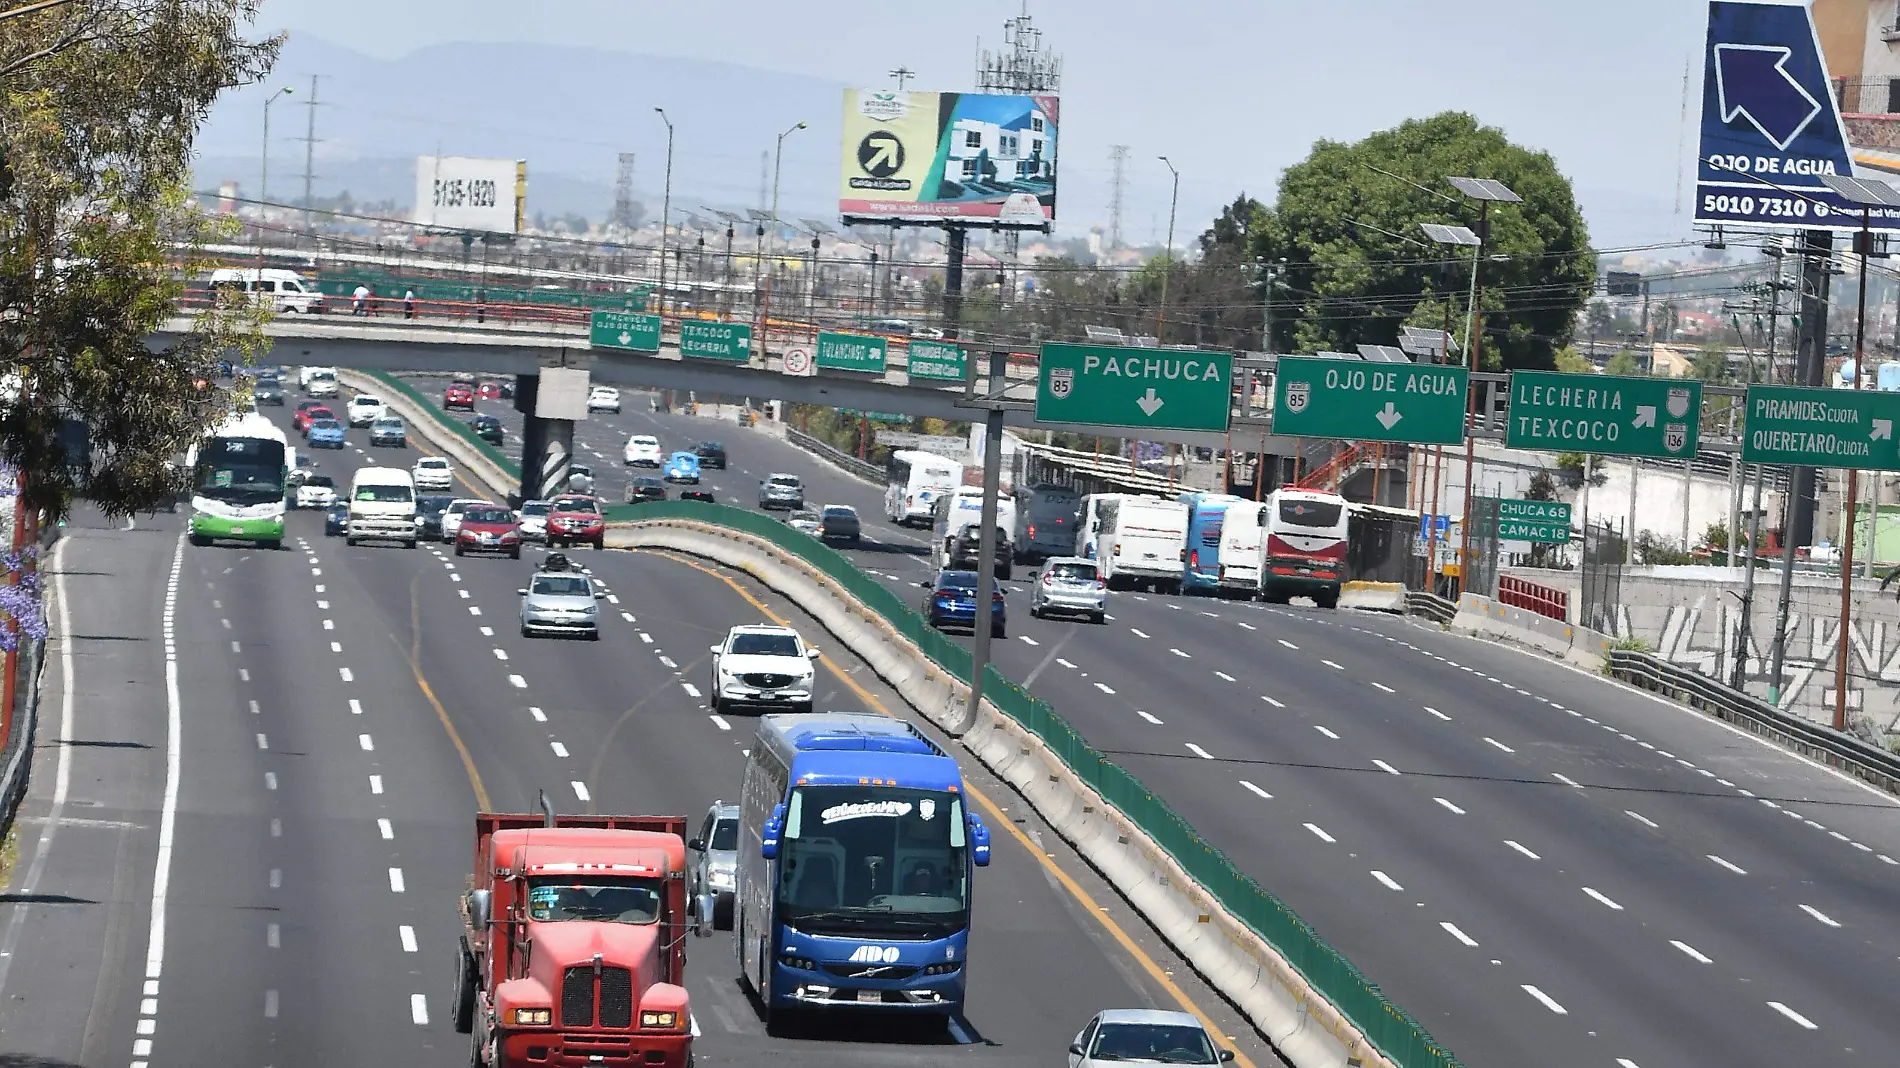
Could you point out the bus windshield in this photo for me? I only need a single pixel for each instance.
(864, 860)
(240, 470)
(1320, 515)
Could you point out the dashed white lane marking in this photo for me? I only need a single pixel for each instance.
(1521, 849)
(518, 682)
(408, 936)
(1225, 675)
(1104, 688)
(1385, 767)
(1437, 713)
(1452, 930)
(1455, 810)
(1179, 653)
(1601, 899)
(1500, 745)
(668, 661)
(1138, 632)
(368, 743)
(1640, 818)
(628, 616)
(1546, 1000)
(464, 593)
(1319, 832)
(474, 610)
(1065, 663)
(1693, 953)
(1147, 716)
(395, 881)
(1248, 626)
(1256, 791)
(1383, 686)
(1821, 916)
(1625, 1062)
(356, 707)
(1386, 880)
(263, 741)
(270, 780)
(613, 598)
(720, 722)
(488, 632)
(385, 828)
(270, 1008)
(254, 709)
(1271, 701)
(336, 647)
(1288, 644)
(273, 939)
(1326, 732)
(1566, 780)
(346, 674)
(646, 638)
(1199, 752)
(375, 784)
(1027, 640)
(1793, 1015)
(580, 790)
(501, 654)
(559, 749)
(419, 1009)
(691, 690)
(1333, 664)
(235, 648)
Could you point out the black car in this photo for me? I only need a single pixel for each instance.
(268, 391)
(429, 510)
(839, 522)
(645, 488)
(696, 495)
(487, 428)
(336, 521)
(711, 454)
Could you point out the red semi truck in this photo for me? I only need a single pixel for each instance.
(573, 950)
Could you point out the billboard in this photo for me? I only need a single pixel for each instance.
(977, 159)
(462, 193)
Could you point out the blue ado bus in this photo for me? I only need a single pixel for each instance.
(1200, 567)
(855, 858)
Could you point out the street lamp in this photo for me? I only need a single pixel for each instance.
(263, 169)
(1161, 318)
(765, 303)
(666, 205)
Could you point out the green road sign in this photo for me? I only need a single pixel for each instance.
(702, 340)
(1604, 414)
(851, 352)
(937, 360)
(1159, 389)
(1810, 427)
(1539, 521)
(1318, 397)
(876, 417)
(624, 330)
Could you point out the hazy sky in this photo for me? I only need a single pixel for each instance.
(1233, 91)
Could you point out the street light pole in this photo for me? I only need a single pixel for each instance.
(1161, 319)
(765, 302)
(263, 169)
(666, 207)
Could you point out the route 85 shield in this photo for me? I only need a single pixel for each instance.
(1297, 394)
(1061, 382)
(1678, 407)
(1675, 435)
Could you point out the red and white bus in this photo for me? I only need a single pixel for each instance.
(1303, 548)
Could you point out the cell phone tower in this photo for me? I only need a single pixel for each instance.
(1021, 66)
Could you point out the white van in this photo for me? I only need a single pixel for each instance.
(273, 288)
(1137, 540)
(959, 530)
(382, 506)
(913, 480)
(1240, 548)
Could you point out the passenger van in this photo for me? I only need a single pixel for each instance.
(1045, 522)
(273, 288)
(1138, 540)
(1200, 572)
(913, 480)
(959, 530)
(1239, 562)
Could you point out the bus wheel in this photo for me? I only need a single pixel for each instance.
(1328, 600)
(271, 546)
(200, 539)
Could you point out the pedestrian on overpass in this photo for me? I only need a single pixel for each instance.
(409, 304)
(360, 300)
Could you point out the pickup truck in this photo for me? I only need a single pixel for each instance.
(573, 946)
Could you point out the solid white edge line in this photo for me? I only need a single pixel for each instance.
(168, 812)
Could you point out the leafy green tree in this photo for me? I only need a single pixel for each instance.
(1710, 364)
(99, 106)
(1348, 233)
(1570, 361)
(1623, 363)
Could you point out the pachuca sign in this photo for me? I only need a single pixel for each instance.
(1810, 427)
(637, 331)
(1604, 414)
(1535, 521)
(1160, 389)
(1318, 397)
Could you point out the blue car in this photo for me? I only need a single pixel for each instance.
(325, 434)
(336, 520)
(682, 467)
(951, 602)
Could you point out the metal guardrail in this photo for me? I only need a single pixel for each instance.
(1430, 605)
(1868, 763)
(833, 456)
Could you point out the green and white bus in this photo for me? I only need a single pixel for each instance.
(237, 483)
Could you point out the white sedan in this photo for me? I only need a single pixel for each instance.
(433, 472)
(644, 451)
(316, 491)
(604, 399)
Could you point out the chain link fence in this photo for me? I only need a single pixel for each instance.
(1604, 548)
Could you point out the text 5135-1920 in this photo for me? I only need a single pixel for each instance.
(464, 192)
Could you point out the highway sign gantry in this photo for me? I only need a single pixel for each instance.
(637, 331)
(1120, 386)
(1316, 397)
(1813, 427)
(1604, 414)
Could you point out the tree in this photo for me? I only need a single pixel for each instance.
(1350, 236)
(1623, 363)
(100, 106)
(1570, 361)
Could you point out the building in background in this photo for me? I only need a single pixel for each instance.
(1860, 40)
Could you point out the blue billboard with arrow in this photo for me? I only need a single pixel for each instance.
(1770, 127)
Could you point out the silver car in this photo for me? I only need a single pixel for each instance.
(713, 870)
(1068, 585)
(1144, 1036)
(782, 491)
(533, 516)
(560, 602)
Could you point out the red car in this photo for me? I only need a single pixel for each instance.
(489, 528)
(575, 518)
(489, 390)
(458, 395)
(306, 416)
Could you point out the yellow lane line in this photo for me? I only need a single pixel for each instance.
(414, 655)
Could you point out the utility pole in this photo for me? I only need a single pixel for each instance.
(1161, 318)
(902, 75)
(1817, 248)
(309, 151)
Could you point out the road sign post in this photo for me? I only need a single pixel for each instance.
(863, 353)
(1316, 397)
(1604, 414)
(1156, 389)
(635, 331)
(1810, 427)
(1545, 522)
(702, 340)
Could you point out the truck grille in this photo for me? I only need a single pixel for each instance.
(765, 681)
(616, 997)
(577, 997)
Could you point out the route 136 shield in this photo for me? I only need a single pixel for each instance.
(1061, 382)
(1297, 394)
(1675, 436)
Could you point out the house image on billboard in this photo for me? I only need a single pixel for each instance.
(991, 157)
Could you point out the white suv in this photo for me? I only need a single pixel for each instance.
(433, 472)
(365, 409)
(643, 451)
(765, 667)
(604, 399)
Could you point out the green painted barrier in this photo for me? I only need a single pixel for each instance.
(1385, 1025)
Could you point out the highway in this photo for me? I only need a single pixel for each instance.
(1543, 866)
(338, 715)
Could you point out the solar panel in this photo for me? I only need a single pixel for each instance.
(1418, 346)
(1484, 189)
(731, 218)
(1327, 355)
(816, 227)
(1450, 235)
(758, 216)
(1383, 354)
(1869, 191)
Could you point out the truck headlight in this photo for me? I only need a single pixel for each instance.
(659, 1019)
(533, 1017)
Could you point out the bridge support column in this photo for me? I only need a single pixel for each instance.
(547, 445)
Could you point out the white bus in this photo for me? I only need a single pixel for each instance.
(1303, 553)
(1136, 540)
(913, 482)
(237, 482)
(959, 530)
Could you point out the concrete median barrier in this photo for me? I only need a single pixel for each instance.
(1373, 596)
